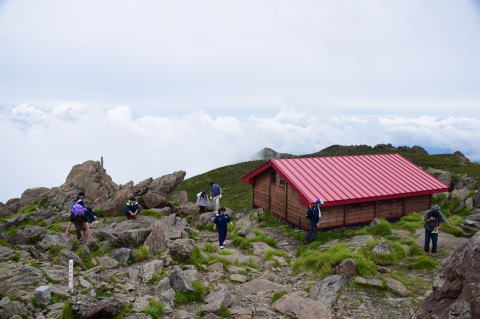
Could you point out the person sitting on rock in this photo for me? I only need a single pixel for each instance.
(433, 220)
(216, 193)
(202, 201)
(80, 220)
(132, 208)
(221, 220)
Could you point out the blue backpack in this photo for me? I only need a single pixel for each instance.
(77, 210)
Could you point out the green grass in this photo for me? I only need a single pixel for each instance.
(67, 312)
(140, 254)
(277, 296)
(382, 228)
(57, 299)
(410, 222)
(425, 263)
(451, 229)
(396, 254)
(198, 294)
(246, 243)
(155, 309)
(197, 258)
(125, 310)
(15, 258)
(235, 194)
(321, 263)
(152, 213)
(269, 254)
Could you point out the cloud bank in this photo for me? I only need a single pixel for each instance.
(40, 145)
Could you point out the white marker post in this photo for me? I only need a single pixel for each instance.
(70, 275)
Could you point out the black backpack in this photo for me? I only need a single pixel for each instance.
(309, 214)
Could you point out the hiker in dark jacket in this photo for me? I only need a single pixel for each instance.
(313, 215)
(221, 220)
(132, 208)
(88, 211)
(433, 220)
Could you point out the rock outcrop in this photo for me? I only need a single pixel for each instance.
(456, 290)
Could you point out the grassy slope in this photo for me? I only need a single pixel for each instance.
(237, 196)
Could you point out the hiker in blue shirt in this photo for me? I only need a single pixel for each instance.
(221, 220)
(313, 215)
(132, 208)
(216, 193)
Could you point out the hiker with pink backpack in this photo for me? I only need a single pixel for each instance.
(79, 218)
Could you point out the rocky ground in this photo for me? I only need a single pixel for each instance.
(167, 263)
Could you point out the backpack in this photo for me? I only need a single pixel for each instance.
(77, 210)
(309, 214)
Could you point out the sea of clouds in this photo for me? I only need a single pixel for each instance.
(40, 145)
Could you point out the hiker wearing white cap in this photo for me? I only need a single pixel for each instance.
(313, 215)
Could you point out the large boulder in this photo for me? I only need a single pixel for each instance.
(29, 235)
(154, 200)
(165, 292)
(186, 209)
(5, 253)
(179, 281)
(167, 183)
(66, 255)
(13, 205)
(32, 195)
(182, 248)
(203, 219)
(11, 309)
(20, 280)
(165, 231)
(142, 187)
(122, 254)
(129, 233)
(180, 197)
(301, 308)
(4, 210)
(116, 204)
(51, 240)
(443, 176)
(86, 307)
(92, 178)
(216, 301)
(326, 290)
(60, 198)
(151, 268)
(456, 290)
(472, 223)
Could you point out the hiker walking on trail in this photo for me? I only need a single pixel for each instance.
(313, 215)
(132, 208)
(88, 211)
(433, 220)
(221, 220)
(202, 201)
(80, 220)
(216, 193)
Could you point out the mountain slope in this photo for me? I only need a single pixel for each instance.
(237, 196)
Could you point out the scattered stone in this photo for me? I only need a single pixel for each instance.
(259, 248)
(151, 268)
(179, 281)
(243, 232)
(383, 269)
(326, 290)
(301, 308)
(240, 313)
(51, 240)
(262, 285)
(360, 240)
(141, 302)
(5, 253)
(133, 273)
(369, 282)
(165, 292)
(84, 283)
(214, 276)
(87, 307)
(182, 248)
(122, 254)
(216, 301)
(397, 287)
(238, 278)
(348, 267)
(66, 255)
(107, 262)
(11, 309)
(43, 295)
(165, 231)
(382, 248)
(183, 314)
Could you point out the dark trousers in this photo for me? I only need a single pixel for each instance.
(202, 209)
(79, 226)
(222, 234)
(429, 236)
(312, 233)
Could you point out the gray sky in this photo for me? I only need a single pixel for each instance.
(156, 86)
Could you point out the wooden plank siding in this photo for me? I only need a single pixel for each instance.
(261, 195)
(417, 204)
(272, 193)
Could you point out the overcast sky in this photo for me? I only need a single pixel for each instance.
(157, 86)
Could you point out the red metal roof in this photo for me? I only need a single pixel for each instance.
(339, 180)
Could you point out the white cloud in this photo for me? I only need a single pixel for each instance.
(136, 147)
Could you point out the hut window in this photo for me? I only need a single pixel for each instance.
(273, 176)
(282, 182)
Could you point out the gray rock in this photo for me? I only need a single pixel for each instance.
(326, 290)
(154, 200)
(5, 253)
(21, 280)
(10, 309)
(179, 281)
(89, 307)
(347, 268)
(183, 314)
(186, 209)
(28, 235)
(369, 282)
(142, 187)
(360, 240)
(259, 248)
(51, 240)
(165, 231)
(43, 295)
(243, 232)
(122, 254)
(238, 278)
(216, 301)
(151, 268)
(472, 223)
(211, 316)
(382, 248)
(301, 308)
(84, 283)
(32, 195)
(133, 273)
(167, 183)
(397, 287)
(66, 255)
(107, 262)
(128, 233)
(85, 252)
(137, 315)
(141, 302)
(182, 248)
(165, 292)
(180, 197)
